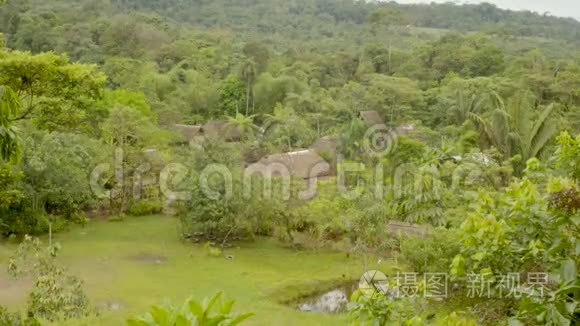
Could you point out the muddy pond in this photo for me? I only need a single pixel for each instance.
(334, 301)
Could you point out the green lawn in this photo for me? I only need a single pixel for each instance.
(113, 260)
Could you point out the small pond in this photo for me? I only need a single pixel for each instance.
(330, 302)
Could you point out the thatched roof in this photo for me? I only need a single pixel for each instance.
(406, 229)
(152, 155)
(190, 132)
(371, 118)
(213, 128)
(326, 145)
(222, 129)
(304, 164)
(405, 129)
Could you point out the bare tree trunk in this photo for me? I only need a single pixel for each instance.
(227, 236)
(390, 56)
(247, 95)
(253, 103)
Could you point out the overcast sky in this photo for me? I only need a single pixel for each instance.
(564, 8)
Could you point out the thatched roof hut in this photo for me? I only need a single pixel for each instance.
(190, 133)
(371, 118)
(326, 145)
(397, 228)
(405, 129)
(305, 164)
(222, 129)
(213, 128)
(327, 148)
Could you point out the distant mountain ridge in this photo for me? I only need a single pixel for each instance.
(465, 17)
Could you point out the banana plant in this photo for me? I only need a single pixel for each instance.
(211, 312)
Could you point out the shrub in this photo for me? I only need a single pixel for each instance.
(379, 309)
(455, 319)
(56, 295)
(228, 217)
(18, 223)
(143, 207)
(51, 223)
(215, 219)
(518, 230)
(432, 254)
(15, 319)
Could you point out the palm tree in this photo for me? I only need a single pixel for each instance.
(512, 128)
(9, 107)
(244, 124)
(249, 72)
(283, 119)
(531, 135)
(465, 107)
(495, 130)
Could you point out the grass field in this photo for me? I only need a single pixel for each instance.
(140, 262)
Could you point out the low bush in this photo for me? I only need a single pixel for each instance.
(56, 294)
(15, 319)
(20, 223)
(143, 207)
(432, 254)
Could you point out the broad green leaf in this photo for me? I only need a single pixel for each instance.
(214, 321)
(211, 303)
(195, 308)
(458, 265)
(568, 271)
(515, 322)
(181, 320)
(226, 307)
(478, 256)
(576, 219)
(571, 307)
(136, 322)
(159, 314)
(239, 319)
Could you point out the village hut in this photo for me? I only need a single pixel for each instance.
(371, 118)
(305, 164)
(222, 129)
(190, 133)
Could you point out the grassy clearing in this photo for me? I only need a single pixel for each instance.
(121, 263)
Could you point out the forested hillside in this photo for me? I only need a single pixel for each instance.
(171, 46)
(439, 138)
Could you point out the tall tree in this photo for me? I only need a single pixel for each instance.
(128, 132)
(249, 72)
(9, 107)
(54, 93)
